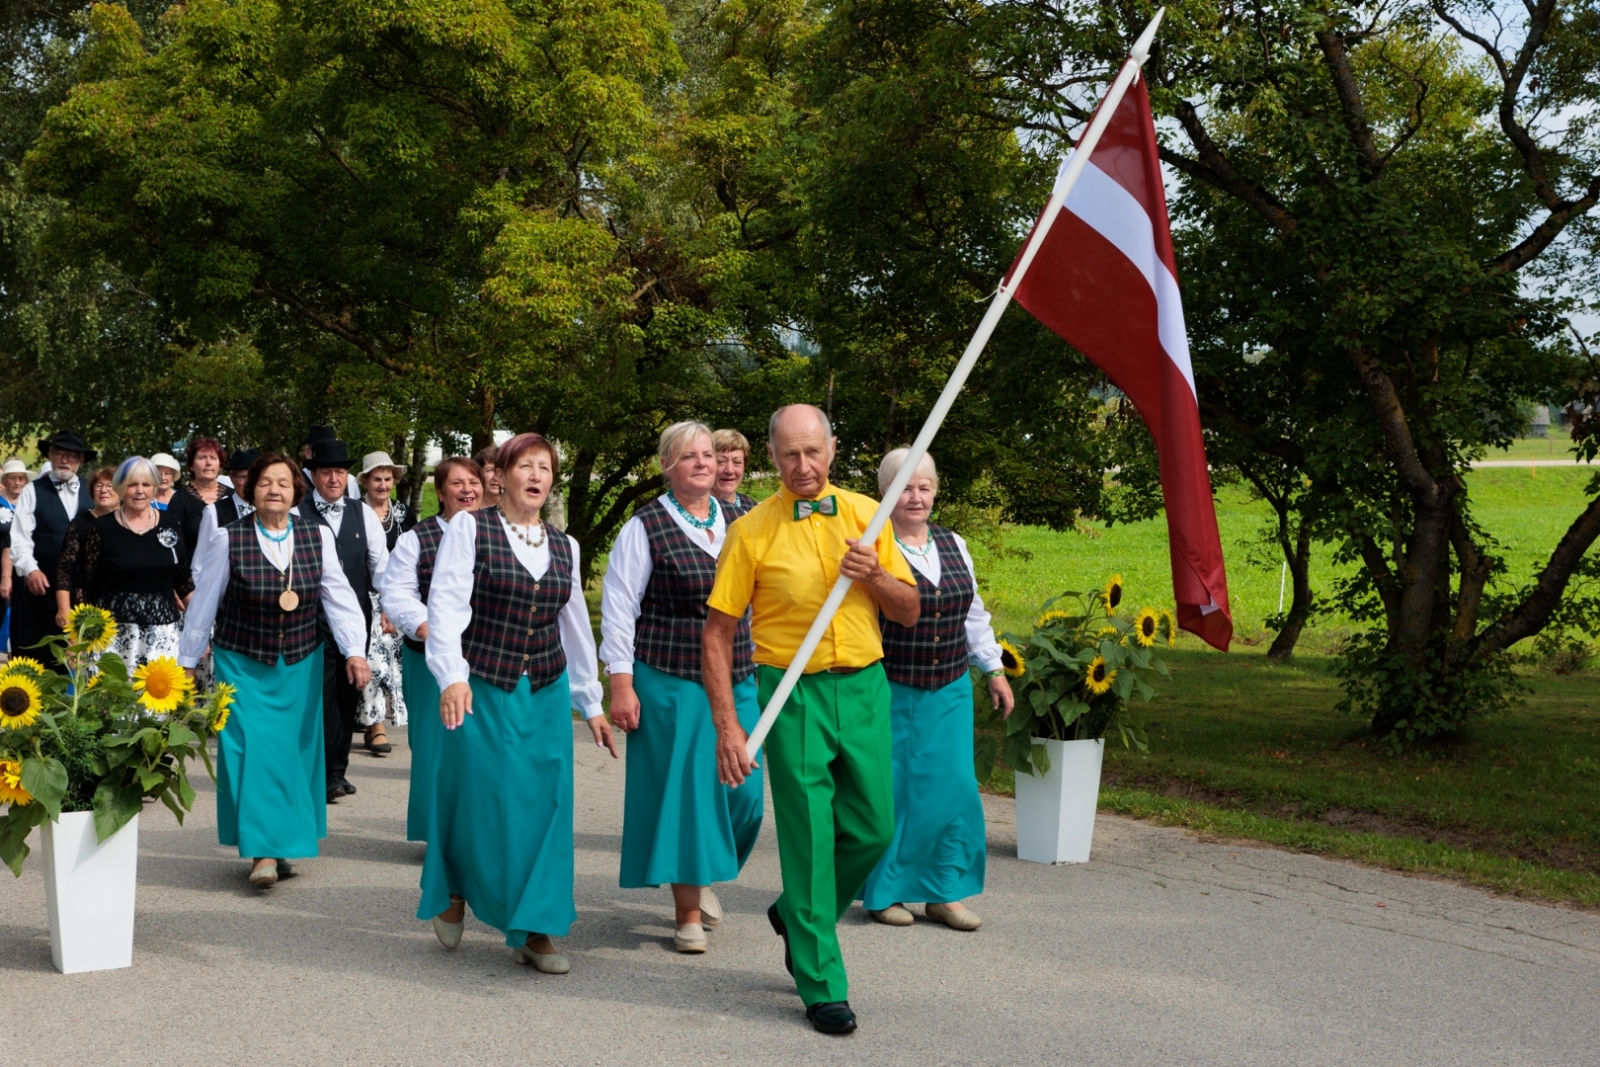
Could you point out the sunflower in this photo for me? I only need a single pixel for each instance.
(1113, 594)
(19, 700)
(1146, 627)
(1053, 615)
(11, 791)
(1169, 625)
(221, 707)
(91, 626)
(1012, 660)
(23, 665)
(161, 684)
(1097, 679)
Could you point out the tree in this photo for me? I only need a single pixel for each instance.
(1375, 181)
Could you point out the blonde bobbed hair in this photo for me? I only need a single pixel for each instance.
(676, 439)
(895, 460)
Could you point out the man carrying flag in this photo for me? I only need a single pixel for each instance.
(828, 759)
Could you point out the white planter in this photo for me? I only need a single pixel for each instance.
(1055, 811)
(89, 887)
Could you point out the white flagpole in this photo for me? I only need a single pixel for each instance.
(1075, 164)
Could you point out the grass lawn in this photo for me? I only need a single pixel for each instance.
(1241, 748)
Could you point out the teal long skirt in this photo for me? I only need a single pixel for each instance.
(423, 734)
(680, 824)
(939, 849)
(504, 834)
(271, 787)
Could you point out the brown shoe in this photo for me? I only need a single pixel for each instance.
(956, 920)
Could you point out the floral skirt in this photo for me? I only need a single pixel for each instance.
(383, 699)
(138, 644)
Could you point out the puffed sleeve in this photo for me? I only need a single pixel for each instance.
(339, 603)
(212, 573)
(450, 600)
(402, 593)
(627, 575)
(982, 648)
(577, 640)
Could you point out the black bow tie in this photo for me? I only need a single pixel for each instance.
(335, 508)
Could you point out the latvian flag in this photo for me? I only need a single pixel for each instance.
(1106, 281)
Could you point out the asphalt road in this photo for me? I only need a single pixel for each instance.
(1162, 950)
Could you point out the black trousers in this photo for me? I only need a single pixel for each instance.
(340, 702)
(33, 618)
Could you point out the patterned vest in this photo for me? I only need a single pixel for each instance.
(513, 630)
(250, 621)
(933, 653)
(672, 615)
(429, 534)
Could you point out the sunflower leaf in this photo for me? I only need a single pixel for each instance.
(46, 779)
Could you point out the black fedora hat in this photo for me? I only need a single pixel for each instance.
(243, 458)
(329, 454)
(320, 434)
(67, 441)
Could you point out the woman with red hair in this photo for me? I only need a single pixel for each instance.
(510, 646)
(203, 460)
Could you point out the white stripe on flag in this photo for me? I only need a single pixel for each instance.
(1101, 202)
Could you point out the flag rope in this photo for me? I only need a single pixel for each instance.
(991, 318)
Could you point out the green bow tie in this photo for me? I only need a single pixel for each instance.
(804, 509)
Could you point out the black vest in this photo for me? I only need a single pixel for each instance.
(351, 540)
(50, 521)
(229, 511)
(933, 653)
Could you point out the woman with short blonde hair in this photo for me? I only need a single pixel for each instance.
(938, 851)
(733, 456)
(680, 825)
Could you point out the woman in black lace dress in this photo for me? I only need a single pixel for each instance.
(132, 561)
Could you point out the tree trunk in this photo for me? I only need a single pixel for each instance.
(1300, 606)
(418, 472)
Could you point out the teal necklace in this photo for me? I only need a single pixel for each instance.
(276, 539)
(699, 524)
(920, 553)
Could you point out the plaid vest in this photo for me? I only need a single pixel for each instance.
(429, 534)
(513, 630)
(672, 615)
(249, 620)
(933, 653)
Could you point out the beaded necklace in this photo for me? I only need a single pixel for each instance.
(699, 524)
(920, 553)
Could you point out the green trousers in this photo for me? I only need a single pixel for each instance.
(828, 759)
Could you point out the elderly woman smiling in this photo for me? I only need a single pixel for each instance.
(680, 824)
(938, 851)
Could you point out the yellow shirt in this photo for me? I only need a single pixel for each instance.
(783, 568)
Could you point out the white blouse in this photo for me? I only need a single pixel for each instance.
(212, 574)
(450, 609)
(628, 573)
(402, 592)
(982, 649)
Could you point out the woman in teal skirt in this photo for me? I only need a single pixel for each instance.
(939, 848)
(459, 485)
(680, 824)
(263, 580)
(510, 646)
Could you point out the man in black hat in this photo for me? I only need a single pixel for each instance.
(324, 435)
(363, 555)
(232, 506)
(47, 505)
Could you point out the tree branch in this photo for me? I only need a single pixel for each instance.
(336, 327)
(1215, 169)
(1349, 93)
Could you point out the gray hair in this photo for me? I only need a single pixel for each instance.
(132, 467)
(895, 460)
(822, 417)
(675, 439)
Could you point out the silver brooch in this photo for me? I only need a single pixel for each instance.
(168, 537)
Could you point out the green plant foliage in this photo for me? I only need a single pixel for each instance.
(1080, 670)
(88, 739)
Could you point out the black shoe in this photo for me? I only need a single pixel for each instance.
(335, 791)
(782, 931)
(350, 790)
(834, 1017)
